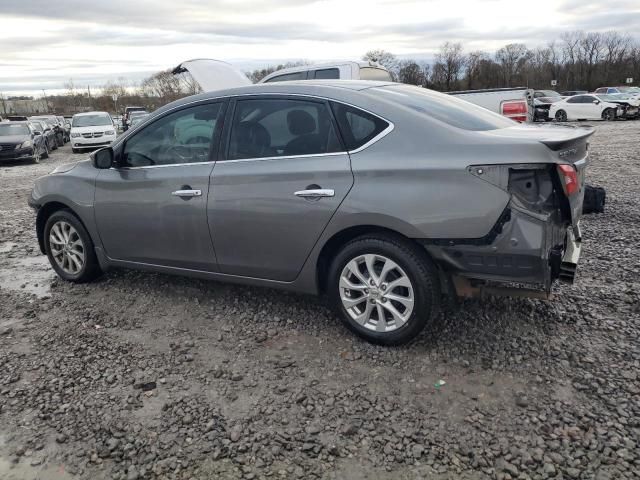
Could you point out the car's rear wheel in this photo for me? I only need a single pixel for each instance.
(384, 288)
(69, 248)
(561, 116)
(608, 114)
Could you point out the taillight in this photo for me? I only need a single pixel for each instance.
(517, 110)
(569, 179)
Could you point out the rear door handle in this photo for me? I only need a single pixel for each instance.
(315, 193)
(187, 193)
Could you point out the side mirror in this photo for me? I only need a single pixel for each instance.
(103, 158)
(597, 102)
(37, 132)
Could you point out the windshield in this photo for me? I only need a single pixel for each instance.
(8, 129)
(446, 108)
(548, 93)
(138, 113)
(91, 120)
(629, 89)
(612, 98)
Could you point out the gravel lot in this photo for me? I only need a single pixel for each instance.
(141, 376)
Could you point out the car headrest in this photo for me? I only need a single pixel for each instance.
(300, 122)
(253, 139)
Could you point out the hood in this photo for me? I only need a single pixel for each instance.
(14, 138)
(213, 75)
(92, 128)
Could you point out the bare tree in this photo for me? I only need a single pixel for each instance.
(450, 61)
(387, 59)
(412, 73)
(511, 58)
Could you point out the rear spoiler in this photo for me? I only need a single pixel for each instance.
(570, 142)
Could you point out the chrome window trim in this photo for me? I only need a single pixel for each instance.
(382, 134)
(164, 166)
(257, 159)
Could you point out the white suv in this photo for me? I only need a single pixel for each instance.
(91, 130)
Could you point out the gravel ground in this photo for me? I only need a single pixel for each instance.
(141, 376)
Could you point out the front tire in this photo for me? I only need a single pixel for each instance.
(608, 114)
(70, 248)
(561, 116)
(36, 156)
(384, 288)
(75, 150)
(45, 151)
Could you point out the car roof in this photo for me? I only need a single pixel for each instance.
(318, 88)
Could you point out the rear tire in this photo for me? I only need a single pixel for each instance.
(69, 248)
(561, 116)
(403, 293)
(609, 114)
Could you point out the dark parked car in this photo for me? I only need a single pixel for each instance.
(126, 121)
(55, 124)
(542, 101)
(381, 196)
(48, 135)
(66, 128)
(19, 141)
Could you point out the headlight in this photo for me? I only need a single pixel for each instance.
(110, 132)
(75, 134)
(25, 144)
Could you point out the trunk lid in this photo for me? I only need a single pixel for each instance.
(213, 75)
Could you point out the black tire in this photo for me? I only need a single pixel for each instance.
(609, 114)
(45, 151)
(60, 140)
(36, 156)
(91, 267)
(417, 266)
(561, 116)
(75, 150)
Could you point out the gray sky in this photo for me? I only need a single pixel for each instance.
(44, 44)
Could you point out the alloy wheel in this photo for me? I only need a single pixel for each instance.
(561, 116)
(67, 248)
(376, 293)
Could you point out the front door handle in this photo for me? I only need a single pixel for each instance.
(315, 193)
(187, 193)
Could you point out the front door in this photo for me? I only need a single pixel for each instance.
(152, 208)
(284, 175)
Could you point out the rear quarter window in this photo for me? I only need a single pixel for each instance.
(445, 108)
(357, 126)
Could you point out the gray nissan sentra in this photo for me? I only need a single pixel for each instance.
(382, 196)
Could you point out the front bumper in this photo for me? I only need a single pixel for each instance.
(523, 247)
(82, 142)
(16, 154)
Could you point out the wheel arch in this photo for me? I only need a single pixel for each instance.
(341, 238)
(44, 212)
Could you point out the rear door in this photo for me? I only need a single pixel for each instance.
(283, 176)
(152, 208)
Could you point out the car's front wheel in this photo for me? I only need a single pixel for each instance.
(384, 288)
(36, 155)
(561, 116)
(69, 248)
(609, 114)
(45, 150)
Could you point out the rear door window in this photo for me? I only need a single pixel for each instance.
(326, 74)
(357, 126)
(273, 127)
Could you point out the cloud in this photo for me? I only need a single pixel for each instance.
(43, 46)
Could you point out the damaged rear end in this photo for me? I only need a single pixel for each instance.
(537, 238)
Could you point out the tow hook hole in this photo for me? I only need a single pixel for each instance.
(528, 184)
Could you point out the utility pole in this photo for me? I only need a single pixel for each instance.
(46, 101)
(4, 105)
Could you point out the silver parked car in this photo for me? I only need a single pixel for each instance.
(382, 196)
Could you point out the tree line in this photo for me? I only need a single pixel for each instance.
(577, 61)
